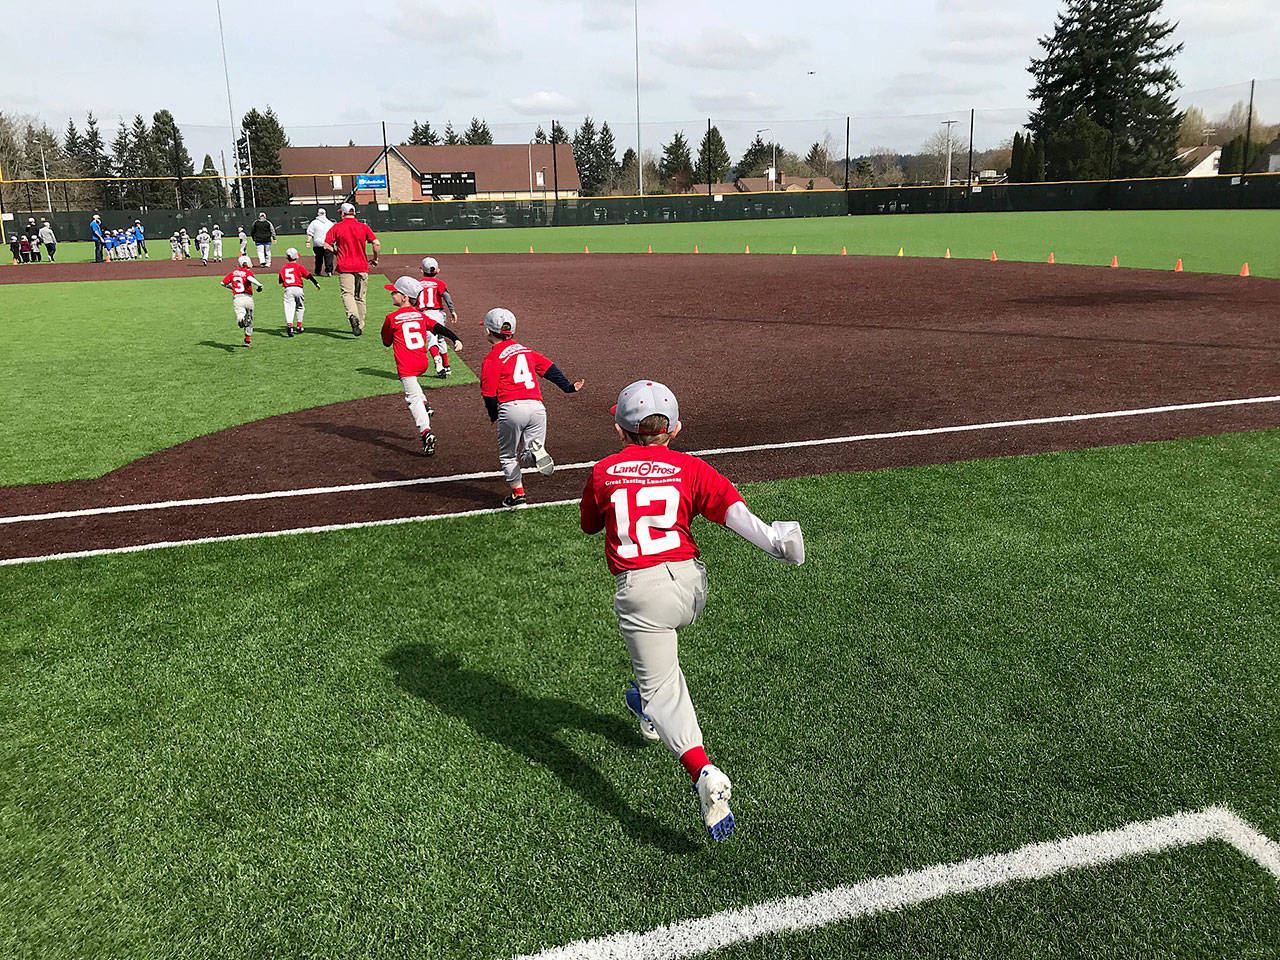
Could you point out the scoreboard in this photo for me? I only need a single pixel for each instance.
(461, 184)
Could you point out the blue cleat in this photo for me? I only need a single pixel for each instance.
(636, 707)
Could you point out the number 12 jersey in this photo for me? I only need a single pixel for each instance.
(645, 498)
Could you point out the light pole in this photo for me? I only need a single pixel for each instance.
(231, 114)
(635, 12)
(769, 130)
(949, 124)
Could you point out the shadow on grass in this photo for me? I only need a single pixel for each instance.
(337, 333)
(374, 372)
(229, 347)
(527, 725)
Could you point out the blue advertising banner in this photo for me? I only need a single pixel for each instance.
(371, 181)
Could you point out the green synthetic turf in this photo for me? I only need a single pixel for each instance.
(1207, 241)
(409, 741)
(93, 377)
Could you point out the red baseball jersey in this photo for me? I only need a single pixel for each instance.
(511, 372)
(239, 280)
(348, 237)
(292, 274)
(432, 287)
(645, 498)
(405, 331)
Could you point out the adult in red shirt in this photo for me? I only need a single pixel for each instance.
(406, 330)
(644, 498)
(509, 385)
(347, 239)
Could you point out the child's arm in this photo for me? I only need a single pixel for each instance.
(783, 540)
(590, 518)
(550, 371)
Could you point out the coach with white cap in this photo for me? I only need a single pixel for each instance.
(317, 230)
(347, 239)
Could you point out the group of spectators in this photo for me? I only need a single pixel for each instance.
(25, 245)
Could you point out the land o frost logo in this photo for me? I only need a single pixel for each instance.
(643, 470)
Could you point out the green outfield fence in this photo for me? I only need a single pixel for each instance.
(1252, 191)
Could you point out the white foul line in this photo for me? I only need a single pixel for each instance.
(1036, 861)
(713, 452)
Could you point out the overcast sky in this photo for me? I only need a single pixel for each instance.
(748, 64)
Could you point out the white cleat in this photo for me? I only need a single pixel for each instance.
(714, 789)
(541, 459)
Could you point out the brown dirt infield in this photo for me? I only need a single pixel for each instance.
(759, 349)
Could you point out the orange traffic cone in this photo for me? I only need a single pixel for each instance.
(748, 250)
(844, 251)
(1051, 260)
(1177, 267)
(585, 248)
(531, 248)
(465, 248)
(695, 248)
(650, 250)
(947, 255)
(994, 258)
(1115, 262)
(1244, 271)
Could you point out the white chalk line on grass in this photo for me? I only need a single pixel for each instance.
(1036, 861)
(585, 465)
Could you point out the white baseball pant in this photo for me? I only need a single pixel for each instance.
(204, 251)
(295, 305)
(433, 340)
(520, 423)
(217, 249)
(652, 604)
(242, 303)
(264, 254)
(417, 401)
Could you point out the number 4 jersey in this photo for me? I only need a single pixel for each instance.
(645, 498)
(511, 372)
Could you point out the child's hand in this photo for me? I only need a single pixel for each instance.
(578, 385)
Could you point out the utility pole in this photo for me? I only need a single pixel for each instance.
(774, 178)
(44, 167)
(1248, 134)
(635, 12)
(231, 114)
(949, 124)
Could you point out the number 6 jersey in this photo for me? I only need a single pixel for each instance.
(645, 498)
(405, 332)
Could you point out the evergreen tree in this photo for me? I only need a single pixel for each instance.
(262, 135)
(73, 143)
(607, 151)
(755, 160)
(1017, 161)
(172, 160)
(558, 133)
(123, 167)
(208, 192)
(817, 161)
(146, 164)
(94, 163)
(1036, 160)
(1108, 63)
(1077, 150)
(676, 165)
(451, 137)
(540, 136)
(713, 158)
(423, 135)
(587, 157)
(477, 133)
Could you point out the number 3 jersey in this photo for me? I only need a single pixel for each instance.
(511, 372)
(405, 331)
(645, 498)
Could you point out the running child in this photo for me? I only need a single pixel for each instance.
(644, 498)
(435, 300)
(405, 330)
(509, 385)
(217, 243)
(291, 276)
(241, 282)
(202, 244)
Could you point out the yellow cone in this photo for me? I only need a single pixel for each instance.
(900, 251)
(394, 251)
(793, 248)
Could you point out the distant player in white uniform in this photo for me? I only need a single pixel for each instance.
(241, 282)
(435, 300)
(217, 243)
(644, 498)
(202, 244)
(175, 248)
(291, 276)
(244, 240)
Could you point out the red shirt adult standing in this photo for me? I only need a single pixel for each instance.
(347, 238)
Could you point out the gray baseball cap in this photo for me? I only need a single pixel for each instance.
(429, 265)
(643, 399)
(499, 317)
(410, 287)
(348, 208)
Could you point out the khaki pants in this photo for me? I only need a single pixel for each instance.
(354, 286)
(652, 604)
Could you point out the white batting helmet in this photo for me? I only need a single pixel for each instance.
(291, 254)
(429, 267)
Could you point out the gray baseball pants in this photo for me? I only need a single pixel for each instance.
(520, 423)
(652, 604)
(295, 305)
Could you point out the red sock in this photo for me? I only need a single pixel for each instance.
(694, 759)
(445, 361)
(435, 352)
(518, 491)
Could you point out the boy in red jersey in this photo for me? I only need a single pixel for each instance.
(291, 276)
(509, 385)
(435, 300)
(405, 331)
(644, 498)
(241, 282)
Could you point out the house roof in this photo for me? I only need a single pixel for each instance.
(785, 182)
(1190, 159)
(498, 167)
(1263, 163)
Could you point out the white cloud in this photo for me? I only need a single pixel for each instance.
(736, 102)
(729, 49)
(471, 29)
(544, 103)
